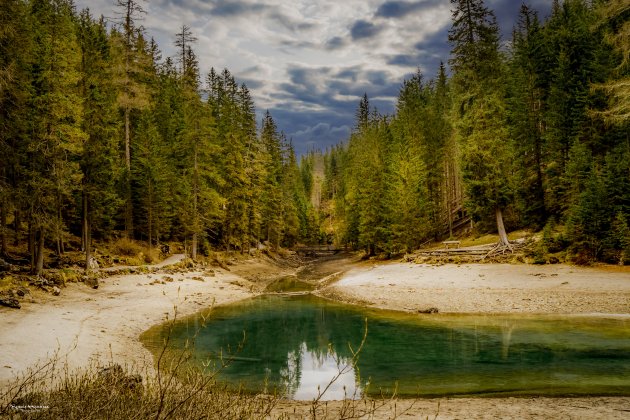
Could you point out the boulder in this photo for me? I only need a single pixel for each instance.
(91, 282)
(93, 264)
(56, 291)
(115, 375)
(9, 302)
(428, 311)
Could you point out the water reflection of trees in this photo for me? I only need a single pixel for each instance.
(283, 334)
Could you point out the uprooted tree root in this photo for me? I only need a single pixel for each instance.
(499, 249)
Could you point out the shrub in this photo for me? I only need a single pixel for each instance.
(126, 247)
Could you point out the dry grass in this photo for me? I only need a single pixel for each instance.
(134, 253)
(126, 247)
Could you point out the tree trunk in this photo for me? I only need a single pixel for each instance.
(87, 225)
(16, 228)
(31, 244)
(503, 239)
(84, 222)
(193, 253)
(39, 261)
(196, 213)
(150, 216)
(3, 226)
(128, 203)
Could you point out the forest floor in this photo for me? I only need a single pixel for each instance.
(85, 326)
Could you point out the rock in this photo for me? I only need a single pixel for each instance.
(428, 311)
(554, 260)
(111, 372)
(56, 291)
(20, 292)
(115, 375)
(93, 264)
(10, 302)
(92, 282)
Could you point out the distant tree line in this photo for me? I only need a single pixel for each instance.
(532, 133)
(99, 136)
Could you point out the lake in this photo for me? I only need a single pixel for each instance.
(295, 344)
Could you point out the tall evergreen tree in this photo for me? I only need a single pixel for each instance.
(272, 198)
(481, 110)
(57, 138)
(525, 114)
(16, 52)
(133, 95)
(98, 161)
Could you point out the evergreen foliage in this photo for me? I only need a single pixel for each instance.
(101, 136)
(530, 135)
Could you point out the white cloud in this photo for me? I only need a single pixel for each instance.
(267, 42)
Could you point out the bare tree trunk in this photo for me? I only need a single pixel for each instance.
(503, 239)
(196, 214)
(3, 226)
(87, 225)
(84, 222)
(128, 203)
(16, 227)
(193, 253)
(39, 261)
(150, 216)
(31, 244)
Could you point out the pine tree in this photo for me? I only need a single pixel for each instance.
(525, 114)
(98, 160)
(481, 108)
(614, 15)
(57, 140)
(272, 197)
(200, 202)
(133, 95)
(409, 188)
(16, 50)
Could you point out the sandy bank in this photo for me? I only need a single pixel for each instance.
(487, 288)
(477, 408)
(104, 324)
(85, 325)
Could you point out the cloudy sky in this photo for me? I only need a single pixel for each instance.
(310, 61)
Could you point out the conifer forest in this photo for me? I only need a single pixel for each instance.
(102, 137)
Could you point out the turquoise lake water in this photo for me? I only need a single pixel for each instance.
(293, 344)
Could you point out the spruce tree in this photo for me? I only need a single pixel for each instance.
(131, 63)
(481, 127)
(525, 114)
(57, 141)
(99, 158)
(16, 52)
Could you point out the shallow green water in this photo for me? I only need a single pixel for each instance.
(295, 343)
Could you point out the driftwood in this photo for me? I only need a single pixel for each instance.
(479, 253)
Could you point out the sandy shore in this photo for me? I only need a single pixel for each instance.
(95, 326)
(88, 326)
(487, 288)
